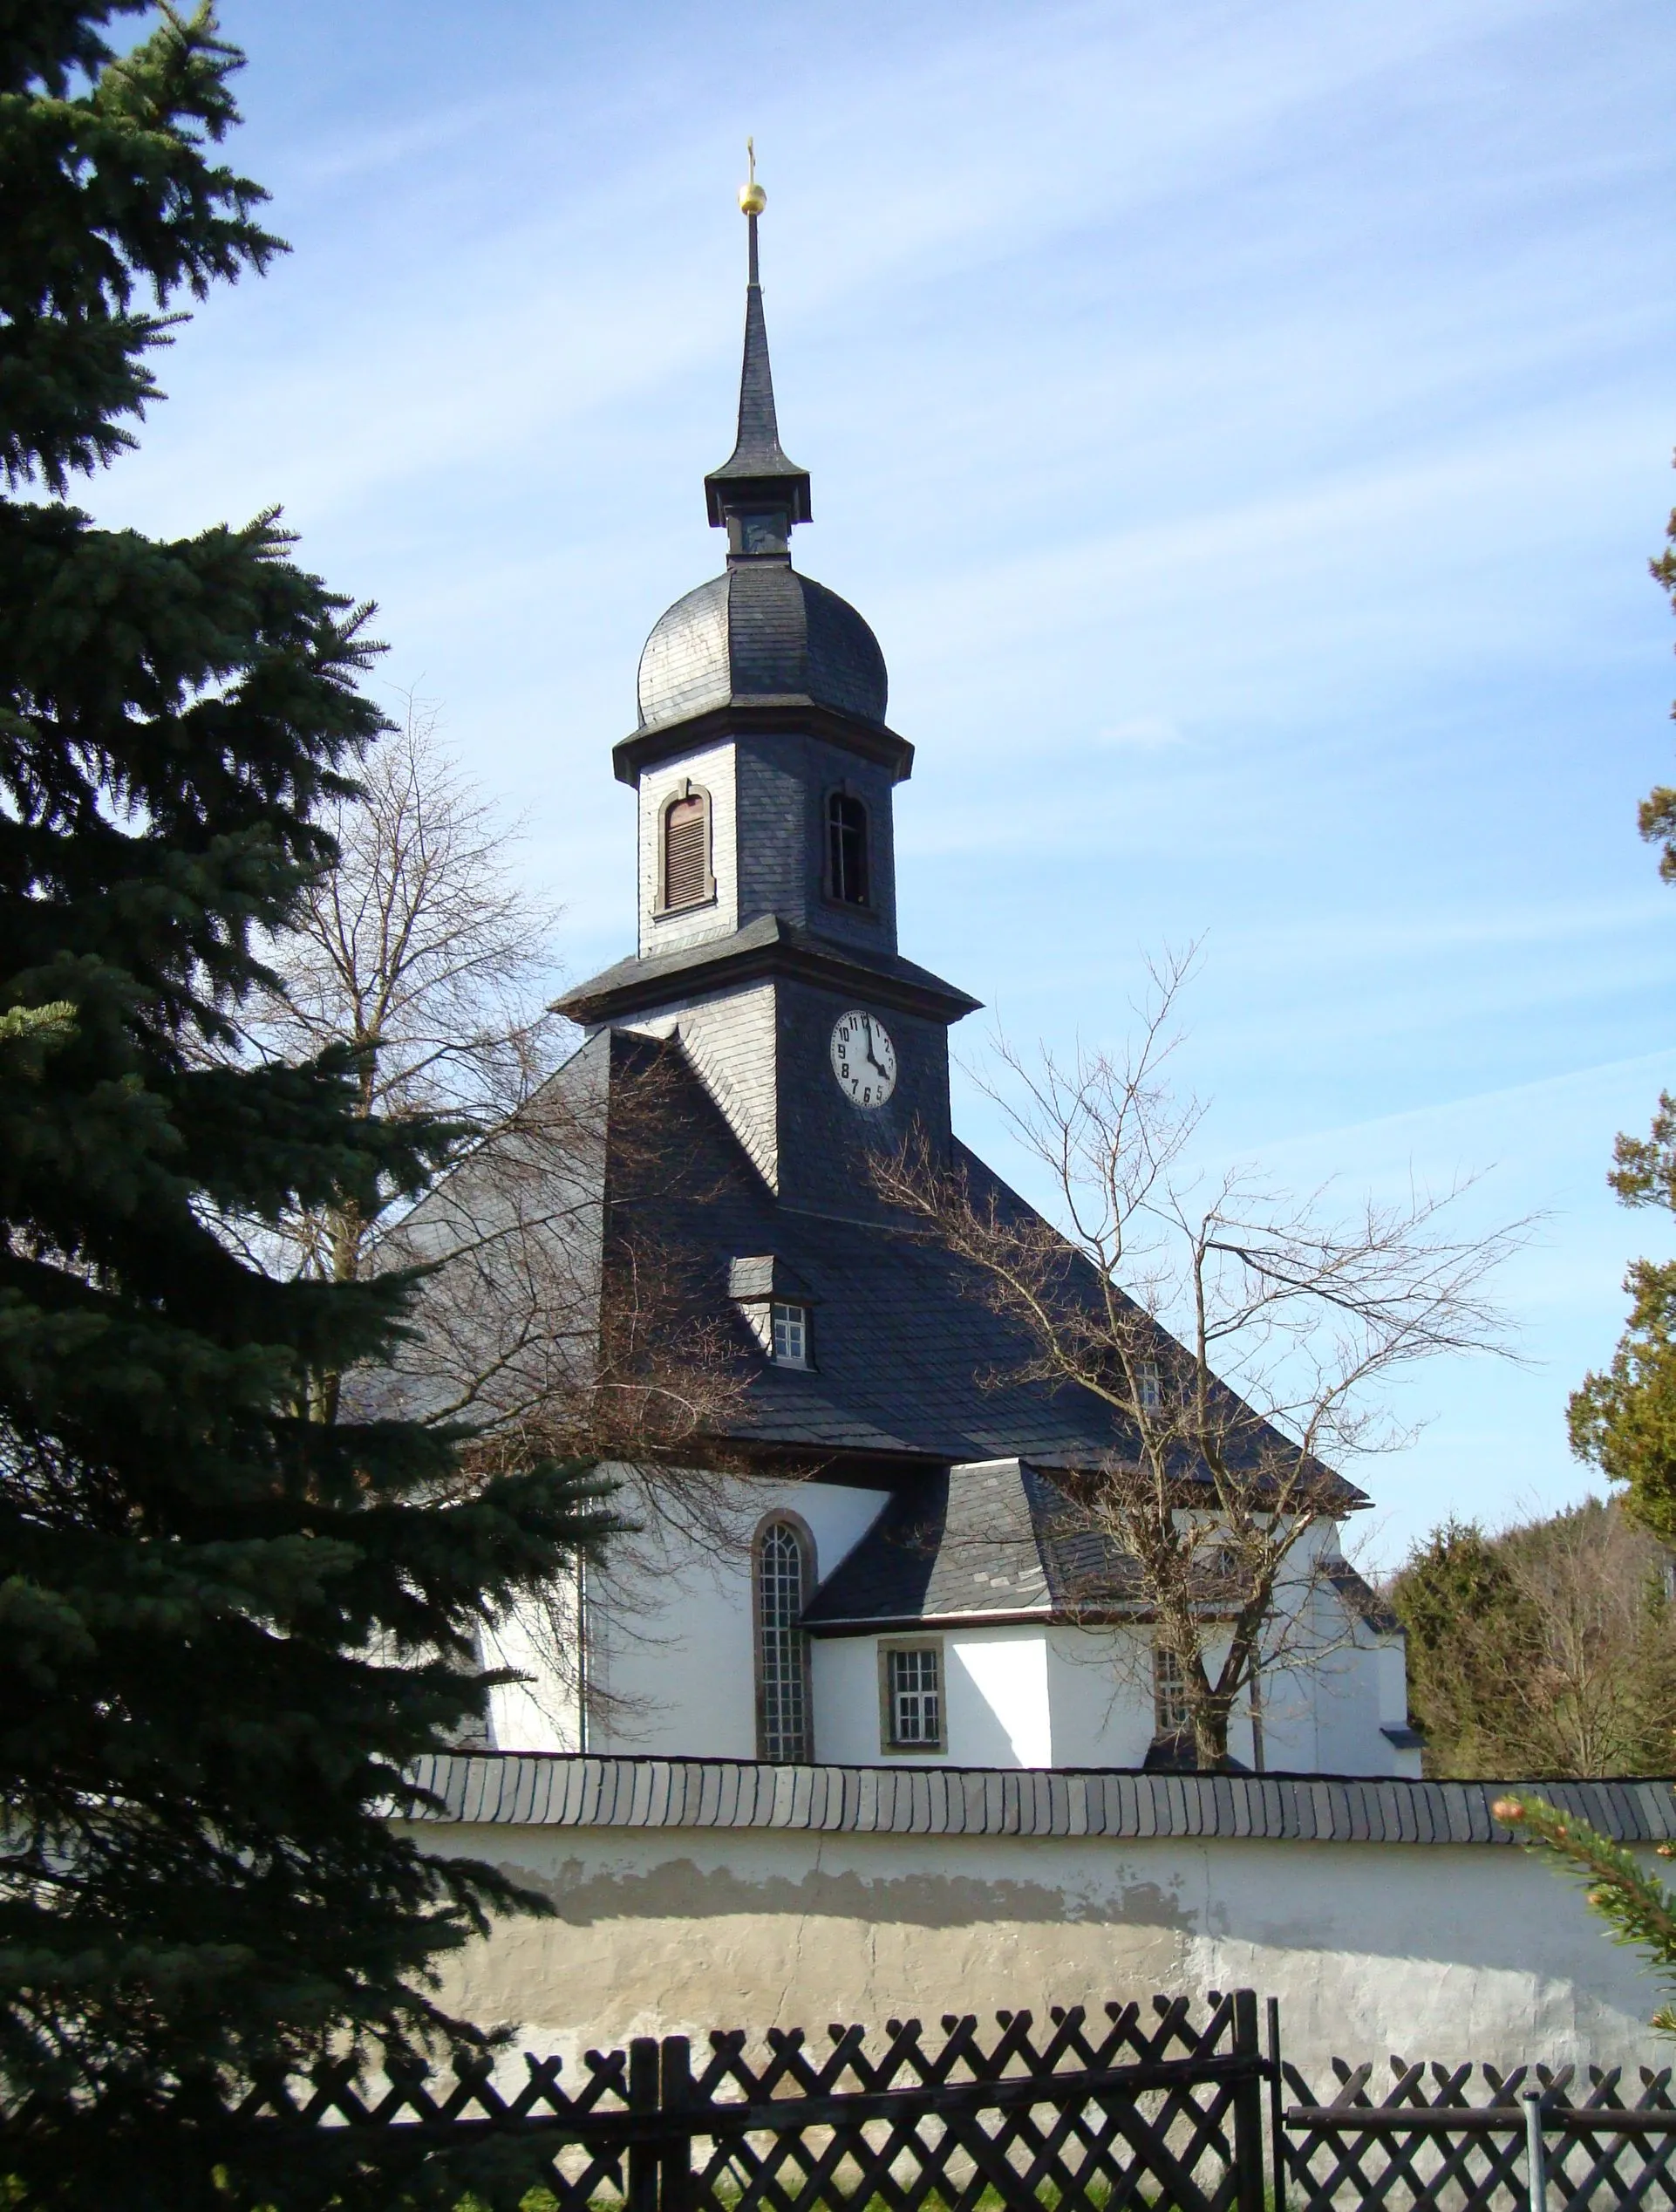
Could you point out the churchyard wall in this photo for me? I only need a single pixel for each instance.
(693, 1895)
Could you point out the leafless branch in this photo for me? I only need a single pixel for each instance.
(1237, 1336)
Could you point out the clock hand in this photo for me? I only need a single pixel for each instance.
(876, 1064)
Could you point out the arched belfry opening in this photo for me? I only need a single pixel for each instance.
(849, 859)
(684, 870)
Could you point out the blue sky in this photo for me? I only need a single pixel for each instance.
(1245, 427)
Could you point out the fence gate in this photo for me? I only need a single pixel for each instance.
(1132, 2112)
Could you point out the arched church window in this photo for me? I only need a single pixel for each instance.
(687, 880)
(846, 854)
(782, 1574)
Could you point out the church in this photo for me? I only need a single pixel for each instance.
(892, 1581)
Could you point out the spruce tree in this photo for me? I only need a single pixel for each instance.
(228, 1626)
(1624, 1419)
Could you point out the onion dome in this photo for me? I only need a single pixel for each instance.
(760, 632)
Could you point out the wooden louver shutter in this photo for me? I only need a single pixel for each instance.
(686, 877)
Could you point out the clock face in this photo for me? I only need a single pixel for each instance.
(863, 1058)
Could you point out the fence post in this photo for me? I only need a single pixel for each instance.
(1248, 2106)
(675, 2178)
(1536, 2161)
(643, 2098)
(1277, 2108)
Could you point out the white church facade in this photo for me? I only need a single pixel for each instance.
(893, 1583)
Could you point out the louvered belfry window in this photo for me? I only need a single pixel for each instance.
(783, 1730)
(686, 850)
(847, 849)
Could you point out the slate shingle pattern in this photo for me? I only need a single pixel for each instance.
(558, 1790)
(993, 1537)
(758, 461)
(760, 632)
(765, 945)
(910, 1361)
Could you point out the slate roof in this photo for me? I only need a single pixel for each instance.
(998, 1538)
(769, 945)
(994, 1538)
(758, 465)
(574, 1790)
(909, 1361)
(761, 632)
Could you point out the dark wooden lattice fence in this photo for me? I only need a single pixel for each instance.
(1162, 2107)
(1430, 2142)
(1140, 2107)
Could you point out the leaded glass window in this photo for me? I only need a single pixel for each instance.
(783, 1730)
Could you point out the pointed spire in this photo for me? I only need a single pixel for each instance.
(757, 493)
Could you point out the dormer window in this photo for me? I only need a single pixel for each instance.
(1150, 1385)
(791, 1334)
(847, 854)
(776, 1303)
(686, 880)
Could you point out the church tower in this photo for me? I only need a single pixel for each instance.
(765, 774)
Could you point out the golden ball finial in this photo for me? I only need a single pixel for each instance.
(752, 198)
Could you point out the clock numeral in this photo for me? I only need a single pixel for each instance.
(861, 1035)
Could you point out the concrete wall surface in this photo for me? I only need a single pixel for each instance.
(1436, 1950)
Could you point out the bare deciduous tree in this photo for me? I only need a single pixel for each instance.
(426, 954)
(545, 1325)
(1238, 1336)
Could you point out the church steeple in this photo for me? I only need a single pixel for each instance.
(758, 494)
(765, 773)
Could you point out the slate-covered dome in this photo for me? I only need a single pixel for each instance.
(760, 632)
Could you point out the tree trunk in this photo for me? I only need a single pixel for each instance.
(1210, 1736)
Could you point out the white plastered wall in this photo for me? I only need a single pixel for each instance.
(671, 1661)
(1020, 1695)
(1434, 1951)
(997, 1710)
(673, 1646)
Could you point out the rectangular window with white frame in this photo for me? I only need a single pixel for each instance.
(1170, 1704)
(791, 1334)
(1150, 1385)
(910, 1697)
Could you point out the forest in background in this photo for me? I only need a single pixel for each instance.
(1547, 1649)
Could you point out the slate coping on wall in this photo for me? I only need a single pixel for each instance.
(559, 1790)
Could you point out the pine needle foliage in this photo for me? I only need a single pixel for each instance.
(1635, 1904)
(1624, 1419)
(227, 1624)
